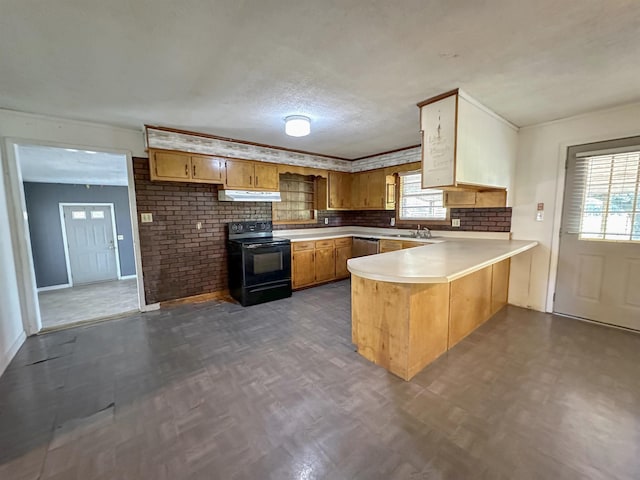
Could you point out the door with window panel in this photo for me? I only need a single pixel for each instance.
(599, 262)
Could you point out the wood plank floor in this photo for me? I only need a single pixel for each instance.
(276, 391)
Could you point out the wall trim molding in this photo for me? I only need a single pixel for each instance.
(128, 277)
(6, 358)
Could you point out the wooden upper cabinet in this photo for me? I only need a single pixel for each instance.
(240, 174)
(339, 193)
(266, 176)
(169, 166)
(376, 189)
(184, 167)
(249, 175)
(472, 199)
(207, 169)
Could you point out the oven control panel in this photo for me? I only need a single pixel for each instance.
(243, 228)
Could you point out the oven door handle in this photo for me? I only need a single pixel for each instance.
(258, 245)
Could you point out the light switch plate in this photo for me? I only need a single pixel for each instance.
(455, 222)
(120, 237)
(146, 217)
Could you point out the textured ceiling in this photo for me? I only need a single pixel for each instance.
(236, 68)
(58, 165)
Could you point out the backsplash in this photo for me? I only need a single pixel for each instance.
(471, 219)
(178, 259)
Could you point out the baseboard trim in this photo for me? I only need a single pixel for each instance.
(6, 358)
(128, 277)
(54, 287)
(205, 297)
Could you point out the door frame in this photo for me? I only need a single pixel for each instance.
(16, 204)
(61, 206)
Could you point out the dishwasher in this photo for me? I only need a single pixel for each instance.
(364, 246)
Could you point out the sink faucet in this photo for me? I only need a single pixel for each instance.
(425, 233)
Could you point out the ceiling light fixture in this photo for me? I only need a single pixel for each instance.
(90, 152)
(297, 126)
(71, 150)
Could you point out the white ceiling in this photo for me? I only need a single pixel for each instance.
(237, 67)
(59, 165)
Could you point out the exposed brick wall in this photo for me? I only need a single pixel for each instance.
(178, 260)
(471, 219)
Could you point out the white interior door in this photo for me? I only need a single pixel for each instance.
(90, 243)
(599, 261)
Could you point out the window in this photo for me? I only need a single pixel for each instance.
(610, 207)
(298, 199)
(417, 203)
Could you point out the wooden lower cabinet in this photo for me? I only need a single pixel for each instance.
(343, 253)
(405, 326)
(325, 264)
(303, 268)
(320, 261)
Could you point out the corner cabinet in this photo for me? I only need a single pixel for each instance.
(465, 144)
(249, 175)
(183, 167)
(373, 190)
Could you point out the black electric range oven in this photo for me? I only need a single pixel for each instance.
(259, 263)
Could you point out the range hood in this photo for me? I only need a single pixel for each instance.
(248, 196)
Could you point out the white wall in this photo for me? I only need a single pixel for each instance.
(16, 273)
(11, 331)
(542, 151)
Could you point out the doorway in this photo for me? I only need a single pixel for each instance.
(599, 258)
(80, 232)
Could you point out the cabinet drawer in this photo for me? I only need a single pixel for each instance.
(343, 242)
(324, 243)
(300, 246)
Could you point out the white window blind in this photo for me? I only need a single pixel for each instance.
(605, 202)
(417, 203)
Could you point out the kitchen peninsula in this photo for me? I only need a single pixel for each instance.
(410, 306)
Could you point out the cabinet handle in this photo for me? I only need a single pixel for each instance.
(186, 169)
(194, 171)
(256, 180)
(250, 180)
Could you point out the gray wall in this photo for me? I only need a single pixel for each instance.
(46, 231)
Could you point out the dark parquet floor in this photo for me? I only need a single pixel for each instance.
(276, 391)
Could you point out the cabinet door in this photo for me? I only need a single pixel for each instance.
(359, 191)
(304, 272)
(239, 174)
(339, 190)
(342, 255)
(459, 199)
(170, 166)
(266, 176)
(390, 245)
(325, 264)
(390, 192)
(207, 169)
(376, 186)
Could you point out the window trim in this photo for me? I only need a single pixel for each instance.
(413, 223)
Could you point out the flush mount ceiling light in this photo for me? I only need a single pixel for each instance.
(297, 126)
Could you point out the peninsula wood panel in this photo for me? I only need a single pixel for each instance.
(500, 285)
(401, 327)
(470, 303)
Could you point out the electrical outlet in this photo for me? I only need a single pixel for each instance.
(326, 221)
(393, 222)
(146, 217)
(199, 225)
(455, 222)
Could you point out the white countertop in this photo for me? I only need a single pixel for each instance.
(310, 234)
(441, 262)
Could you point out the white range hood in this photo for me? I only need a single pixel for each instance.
(248, 196)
